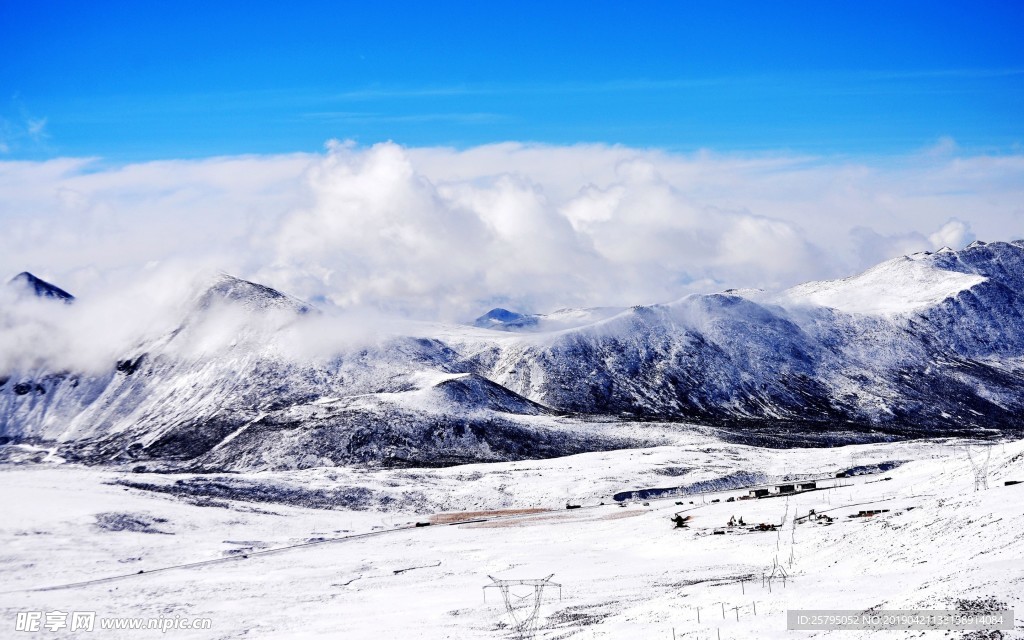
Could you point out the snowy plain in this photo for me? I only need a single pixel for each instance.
(287, 571)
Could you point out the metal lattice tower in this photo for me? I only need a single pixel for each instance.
(980, 466)
(774, 572)
(523, 609)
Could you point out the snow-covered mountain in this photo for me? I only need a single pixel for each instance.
(229, 387)
(505, 320)
(28, 284)
(919, 343)
(928, 343)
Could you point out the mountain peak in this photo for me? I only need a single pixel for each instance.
(504, 320)
(40, 288)
(901, 285)
(224, 287)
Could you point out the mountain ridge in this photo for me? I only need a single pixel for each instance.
(943, 355)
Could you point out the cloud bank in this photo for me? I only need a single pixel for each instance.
(439, 233)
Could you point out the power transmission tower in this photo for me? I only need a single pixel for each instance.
(774, 572)
(980, 466)
(523, 609)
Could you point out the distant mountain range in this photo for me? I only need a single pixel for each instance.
(927, 344)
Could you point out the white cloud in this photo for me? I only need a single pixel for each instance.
(438, 232)
(955, 233)
(20, 130)
(36, 128)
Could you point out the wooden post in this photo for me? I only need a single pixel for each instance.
(755, 607)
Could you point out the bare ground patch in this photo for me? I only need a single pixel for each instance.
(555, 517)
(448, 518)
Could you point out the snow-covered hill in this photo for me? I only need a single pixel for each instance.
(252, 378)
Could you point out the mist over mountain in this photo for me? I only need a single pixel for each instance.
(241, 376)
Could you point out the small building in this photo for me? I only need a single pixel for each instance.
(807, 486)
(758, 493)
(785, 488)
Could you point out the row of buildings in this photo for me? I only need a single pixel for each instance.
(783, 489)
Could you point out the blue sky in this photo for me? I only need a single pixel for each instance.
(143, 80)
